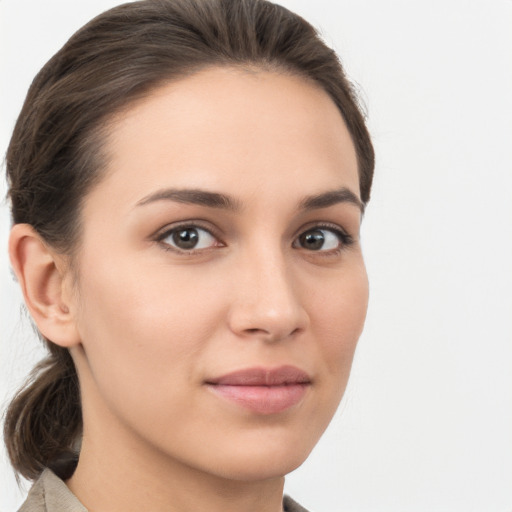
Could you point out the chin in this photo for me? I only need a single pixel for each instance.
(263, 457)
(265, 466)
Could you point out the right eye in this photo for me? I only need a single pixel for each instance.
(188, 238)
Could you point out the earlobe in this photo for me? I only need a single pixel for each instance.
(45, 285)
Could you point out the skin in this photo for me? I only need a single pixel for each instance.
(147, 323)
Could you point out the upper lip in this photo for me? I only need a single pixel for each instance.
(260, 376)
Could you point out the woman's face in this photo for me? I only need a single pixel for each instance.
(221, 286)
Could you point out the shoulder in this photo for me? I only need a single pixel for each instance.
(290, 505)
(35, 499)
(50, 494)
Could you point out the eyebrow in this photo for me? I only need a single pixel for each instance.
(193, 196)
(330, 198)
(225, 202)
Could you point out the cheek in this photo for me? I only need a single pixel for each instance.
(338, 318)
(140, 330)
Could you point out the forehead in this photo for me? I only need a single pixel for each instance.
(229, 128)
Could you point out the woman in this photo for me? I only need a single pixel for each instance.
(187, 182)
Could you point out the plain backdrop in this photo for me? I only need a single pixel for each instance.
(426, 424)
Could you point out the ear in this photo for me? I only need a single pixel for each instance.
(46, 284)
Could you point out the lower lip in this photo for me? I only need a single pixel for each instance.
(263, 399)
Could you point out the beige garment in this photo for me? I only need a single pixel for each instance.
(51, 494)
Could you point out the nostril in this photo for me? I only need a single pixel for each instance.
(272, 334)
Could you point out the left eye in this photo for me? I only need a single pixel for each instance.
(187, 238)
(320, 239)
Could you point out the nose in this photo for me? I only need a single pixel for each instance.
(267, 303)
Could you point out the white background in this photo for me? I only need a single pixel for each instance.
(426, 425)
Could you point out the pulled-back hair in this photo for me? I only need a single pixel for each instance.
(55, 155)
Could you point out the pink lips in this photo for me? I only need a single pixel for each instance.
(263, 390)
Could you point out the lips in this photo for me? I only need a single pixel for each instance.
(262, 390)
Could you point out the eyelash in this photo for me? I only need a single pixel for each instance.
(344, 238)
(181, 227)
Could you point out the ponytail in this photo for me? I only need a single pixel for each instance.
(44, 419)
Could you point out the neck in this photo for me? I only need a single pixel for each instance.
(117, 471)
(118, 489)
(180, 489)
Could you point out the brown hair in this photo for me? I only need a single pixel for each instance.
(55, 157)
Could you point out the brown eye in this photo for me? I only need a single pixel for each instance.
(312, 240)
(185, 238)
(322, 239)
(188, 238)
